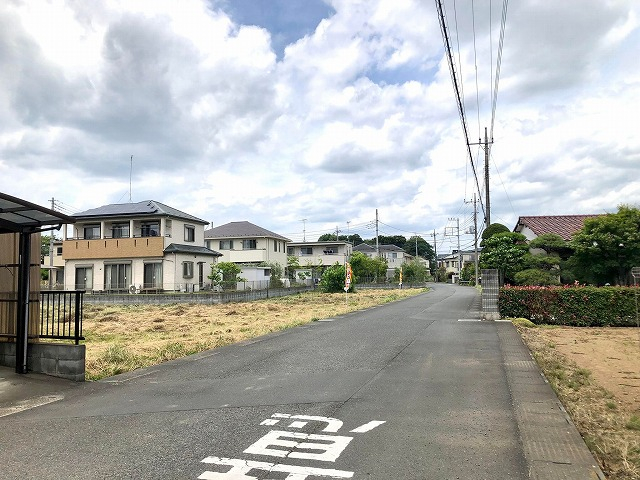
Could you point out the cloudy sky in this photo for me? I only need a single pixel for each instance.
(275, 111)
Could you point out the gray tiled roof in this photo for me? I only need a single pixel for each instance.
(146, 208)
(181, 248)
(241, 230)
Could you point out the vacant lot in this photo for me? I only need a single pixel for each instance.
(125, 337)
(596, 374)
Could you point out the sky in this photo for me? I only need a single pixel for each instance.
(307, 116)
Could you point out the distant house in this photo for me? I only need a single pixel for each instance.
(394, 255)
(563, 225)
(250, 246)
(451, 261)
(143, 246)
(54, 263)
(312, 256)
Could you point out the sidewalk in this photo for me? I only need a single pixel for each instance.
(20, 392)
(552, 445)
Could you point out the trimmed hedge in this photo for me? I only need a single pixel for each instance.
(575, 305)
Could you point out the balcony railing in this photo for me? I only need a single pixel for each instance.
(61, 315)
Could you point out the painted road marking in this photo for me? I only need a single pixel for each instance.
(291, 445)
(367, 427)
(240, 469)
(29, 404)
(328, 451)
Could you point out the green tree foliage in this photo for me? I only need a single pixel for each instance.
(553, 245)
(367, 269)
(354, 239)
(425, 250)
(225, 274)
(468, 273)
(332, 280)
(293, 263)
(492, 229)
(441, 274)
(413, 272)
(397, 240)
(504, 252)
(608, 247)
(536, 276)
(275, 279)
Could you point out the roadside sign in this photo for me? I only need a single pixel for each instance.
(347, 279)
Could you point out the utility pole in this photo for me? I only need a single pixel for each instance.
(377, 245)
(304, 229)
(435, 253)
(416, 234)
(475, 236)
(487, 219)
(457, 220)
(337, 231)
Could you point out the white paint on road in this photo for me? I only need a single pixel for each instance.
(29, 404)
(333, 424)
(324, 448)
(241, 468)
(367, 427)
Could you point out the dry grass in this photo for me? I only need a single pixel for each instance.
(125, 337)
(578, 362)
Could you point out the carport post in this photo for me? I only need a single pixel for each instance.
(22, 329)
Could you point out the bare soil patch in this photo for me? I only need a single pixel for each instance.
(596, 374)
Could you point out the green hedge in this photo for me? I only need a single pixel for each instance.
(579, 306)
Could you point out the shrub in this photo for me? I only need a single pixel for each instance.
(574, 305)
(332, 280)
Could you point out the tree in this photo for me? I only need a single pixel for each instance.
(425, 250)
(504, 252)
(332, 280)
(354, 239)
(367, 269)
(225, 275)
(535, 276)
(552, 244)
(608, 247)
(413, 272)
(275, 279)
(492, 230)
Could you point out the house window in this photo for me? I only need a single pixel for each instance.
(226, 244)
(150, 229)
(91, 231)
(152, 275)
(249, 244)
(120, 230)
(275, 246)
(59, 251)
(189, 233)
(394, 255)
(117, 276)
(267, 273)
(291, 251)
(306, 250)
(84, 278)
(187, 269)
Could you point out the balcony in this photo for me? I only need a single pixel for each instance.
(79, 249)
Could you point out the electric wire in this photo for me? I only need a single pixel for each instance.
(475, 62)
(503, 22)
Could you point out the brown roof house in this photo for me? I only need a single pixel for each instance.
(564, 225)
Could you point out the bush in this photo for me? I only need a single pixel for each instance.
(575, 305)
(536, 276)
(332, 280)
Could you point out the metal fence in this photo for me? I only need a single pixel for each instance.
(61, 314)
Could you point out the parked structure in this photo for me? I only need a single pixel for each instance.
(252, 247)
(54, 263)
(455, 261)
(137, 247)
(313, 256)
(564, 225)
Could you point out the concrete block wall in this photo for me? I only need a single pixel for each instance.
(55, 359)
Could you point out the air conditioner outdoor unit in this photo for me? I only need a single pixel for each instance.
(134, 289)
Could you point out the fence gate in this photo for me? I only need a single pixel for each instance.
(490, 290)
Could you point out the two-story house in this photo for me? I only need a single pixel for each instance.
(312, 256)
(394, 255)
(451, 261)
(252, 247)
(54, 264)
(143, 246)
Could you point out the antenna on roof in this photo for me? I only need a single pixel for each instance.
(130, 173)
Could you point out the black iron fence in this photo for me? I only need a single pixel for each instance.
(61, 314)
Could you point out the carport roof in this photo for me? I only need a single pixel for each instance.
(19, 216)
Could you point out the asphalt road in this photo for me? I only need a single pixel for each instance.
(411, 390)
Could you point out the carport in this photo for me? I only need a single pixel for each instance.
(23, 218)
